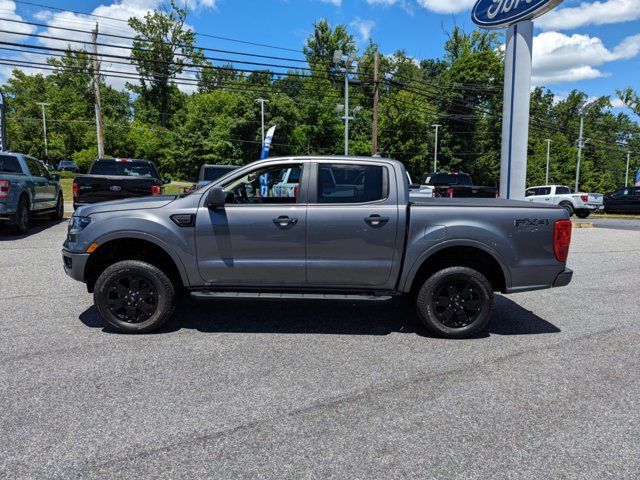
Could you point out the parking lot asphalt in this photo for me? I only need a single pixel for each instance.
(238, 389)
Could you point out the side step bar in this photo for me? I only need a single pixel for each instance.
(368, 297)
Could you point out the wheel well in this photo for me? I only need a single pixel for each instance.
(462, 256)
(129, 249)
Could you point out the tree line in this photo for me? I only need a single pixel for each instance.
(185, 109)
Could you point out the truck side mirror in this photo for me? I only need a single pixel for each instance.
(216, 198)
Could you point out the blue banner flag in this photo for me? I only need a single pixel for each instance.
(638, 178)
(266, 144)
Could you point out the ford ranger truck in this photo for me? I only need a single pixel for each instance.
(350, 230)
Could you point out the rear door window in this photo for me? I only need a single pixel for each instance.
(348, 183)
(562, 191)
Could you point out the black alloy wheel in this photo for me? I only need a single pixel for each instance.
(22, 219)
(456, 304)
(131, 298)
(134, 296)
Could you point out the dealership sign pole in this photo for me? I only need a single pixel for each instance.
(516, 16)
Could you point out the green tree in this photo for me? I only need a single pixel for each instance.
(162, 47)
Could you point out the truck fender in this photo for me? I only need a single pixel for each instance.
(405, 285)
(124, 234)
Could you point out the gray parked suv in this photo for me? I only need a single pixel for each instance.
(345, 229)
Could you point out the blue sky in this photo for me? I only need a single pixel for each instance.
(593, 45)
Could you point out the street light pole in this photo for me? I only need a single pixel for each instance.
(546, 178)
(435, 152)
(626, 178)
(348, 61)
(44, 127)
(262, 102)
(580, 145)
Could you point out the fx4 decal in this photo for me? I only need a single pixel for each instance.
(528, 222)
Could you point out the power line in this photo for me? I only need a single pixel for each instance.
(206, 35)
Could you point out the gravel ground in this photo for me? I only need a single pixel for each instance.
(234, 389)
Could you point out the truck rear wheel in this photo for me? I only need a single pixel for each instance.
(455, 302)
(582, 213)
(134, 296)
(568, 207)
(22, 218)
(59, 212)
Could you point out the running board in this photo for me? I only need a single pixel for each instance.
(371, 297)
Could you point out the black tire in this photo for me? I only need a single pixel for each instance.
(582, 213)
(568, 207)
(455, 302)
(59, 213)
(22, 217)
(134, 296)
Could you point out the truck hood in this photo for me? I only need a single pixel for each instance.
(127, 204)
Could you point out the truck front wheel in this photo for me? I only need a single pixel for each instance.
(134, 296)
(455, 302)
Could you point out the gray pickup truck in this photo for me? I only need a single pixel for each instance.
(347, 230)
(26, 189)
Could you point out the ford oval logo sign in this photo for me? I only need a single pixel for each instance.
(502, 13)
(115, 188)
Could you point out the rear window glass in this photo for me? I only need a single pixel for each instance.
(9, 164)
(213, 173)
(448, 179)
(124, 169)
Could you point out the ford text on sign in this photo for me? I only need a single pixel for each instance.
(502, 13)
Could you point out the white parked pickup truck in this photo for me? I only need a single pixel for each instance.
(582, 204)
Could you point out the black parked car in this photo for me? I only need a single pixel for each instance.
(68, 166)
(623, 200)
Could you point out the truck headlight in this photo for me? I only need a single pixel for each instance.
(77, 224)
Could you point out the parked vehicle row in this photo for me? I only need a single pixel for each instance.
(328, 228)
(623, 200)
(26, 189)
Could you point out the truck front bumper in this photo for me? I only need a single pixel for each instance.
(74, 264)
(563, 278)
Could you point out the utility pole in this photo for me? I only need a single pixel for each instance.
(546, 178)
(580, 145)
(96, 91)
(376, 90)
(626, 178)
(262, 102)
(435, 152)
(3, 124)
(44, 127)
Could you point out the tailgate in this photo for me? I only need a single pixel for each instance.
(99, 188)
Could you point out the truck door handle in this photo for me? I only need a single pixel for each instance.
(376, 219)
(283, 221)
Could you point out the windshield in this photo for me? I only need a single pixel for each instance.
(124, 169)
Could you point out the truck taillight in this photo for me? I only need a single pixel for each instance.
(75, 190)
(296, 190)
(497, 193)
(156, 190)
(450, 192)
(433, 192)
(562, 239)
(584, 198)
(4, 188)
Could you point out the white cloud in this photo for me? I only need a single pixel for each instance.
(383, 2)
(617, 103)
(337, 3)
(447, 6)
(559, 58)
(8, 9)
(590, 13)
(363, 27)
(120, 10)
